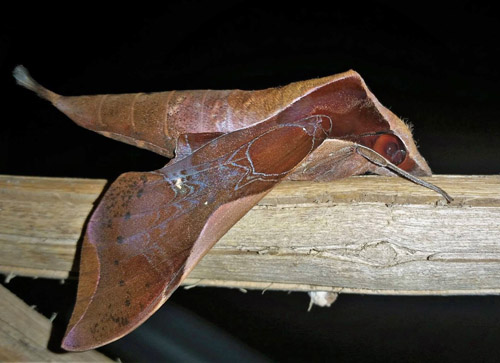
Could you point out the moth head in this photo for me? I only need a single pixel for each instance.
(359, 118)
(398, 150)
(396, 144)
(391, 148)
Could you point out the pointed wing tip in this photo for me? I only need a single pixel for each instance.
(79, 339)
(72, 343)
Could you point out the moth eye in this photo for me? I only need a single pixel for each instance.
(391, 148)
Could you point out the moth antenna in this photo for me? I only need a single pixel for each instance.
(23, 78)
(379, 160)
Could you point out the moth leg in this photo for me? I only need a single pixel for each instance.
(333, 159)
(379, 160)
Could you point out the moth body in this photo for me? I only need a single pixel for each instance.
(228, 148)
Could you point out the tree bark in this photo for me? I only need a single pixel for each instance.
(368, 234)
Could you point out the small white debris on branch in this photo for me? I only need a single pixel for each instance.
(321, 298)
(190, 286)
(9, 277)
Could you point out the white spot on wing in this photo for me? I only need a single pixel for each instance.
(178, 183)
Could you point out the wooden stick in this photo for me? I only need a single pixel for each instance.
(24, 335)
(368, 234)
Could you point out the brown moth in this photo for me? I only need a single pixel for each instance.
(228, 149)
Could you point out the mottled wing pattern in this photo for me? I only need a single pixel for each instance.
(151, 228)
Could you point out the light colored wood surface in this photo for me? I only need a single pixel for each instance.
(24, 335)
(367, 234)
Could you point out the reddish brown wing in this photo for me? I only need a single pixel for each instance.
(152, 228)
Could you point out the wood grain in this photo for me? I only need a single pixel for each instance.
(365, 234)
(24, 335)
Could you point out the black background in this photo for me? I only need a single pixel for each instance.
(434, 65)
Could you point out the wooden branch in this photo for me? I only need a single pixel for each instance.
(24, 335)
(367, 234)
